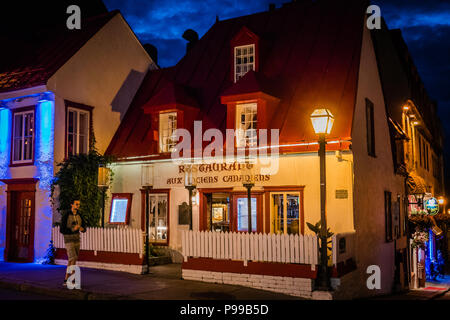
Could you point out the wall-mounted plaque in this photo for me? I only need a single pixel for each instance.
(342, 194)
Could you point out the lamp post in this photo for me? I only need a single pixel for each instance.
(322, 121)
(147, 185)
(190, 185)
(102, 182)
(248, 184)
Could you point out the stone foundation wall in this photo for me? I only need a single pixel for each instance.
(298, 287)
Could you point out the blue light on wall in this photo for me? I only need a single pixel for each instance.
(5, 139)
(44, 141)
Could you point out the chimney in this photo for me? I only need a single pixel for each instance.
(152, 52)
(192, 37)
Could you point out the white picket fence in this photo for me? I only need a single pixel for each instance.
(125, 240)
(250, 247)
(347, 249)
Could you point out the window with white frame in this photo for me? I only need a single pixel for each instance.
(244, 60)
(23, 137)
(167, 127)
(246, 125)
(77, 131)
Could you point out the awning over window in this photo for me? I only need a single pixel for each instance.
(416, 184)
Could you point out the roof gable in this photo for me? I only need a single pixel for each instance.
(309, 49)
(33, 63)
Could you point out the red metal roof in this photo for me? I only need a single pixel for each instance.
(38, 55)
(309, 49)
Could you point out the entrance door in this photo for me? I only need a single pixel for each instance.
(159, 213)
(21, 232)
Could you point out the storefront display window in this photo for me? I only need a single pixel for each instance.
(242, 214)
(285, 212)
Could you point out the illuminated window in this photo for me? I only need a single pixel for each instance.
(285, 212)
(242, 214)
(77, 131)
(246, 125)
(159, 217)
(244, 60)
(23, 137)
(120, 208)
(167, 127)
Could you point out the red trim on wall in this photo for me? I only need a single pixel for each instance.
(103, 256)
(343, 268)
(261, 268)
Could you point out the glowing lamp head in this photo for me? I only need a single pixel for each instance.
(103, 176)
(147, 175)
(415, 123)
(405, 107)
(322, 121)
(441, 200)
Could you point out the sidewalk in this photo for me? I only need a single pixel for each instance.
(164, 283)
(431, 291)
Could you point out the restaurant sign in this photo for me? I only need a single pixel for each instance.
(432, 206)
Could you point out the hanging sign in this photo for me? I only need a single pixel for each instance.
(432, 206)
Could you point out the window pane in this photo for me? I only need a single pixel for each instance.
(28, 149)
(72, 122)
(17, 149)
(82, 144)
(293, 222)
(278, 216)
(18, 120)
(242, 214)
(158, 217)
(83, 124)
(167, 127)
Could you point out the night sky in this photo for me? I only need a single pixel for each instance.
(425, 26)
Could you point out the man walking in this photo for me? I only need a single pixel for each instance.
(71, 225)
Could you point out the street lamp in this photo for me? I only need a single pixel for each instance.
(190, 184)
(102, 182)
(322, 121)
(248, 184)
(147, 185)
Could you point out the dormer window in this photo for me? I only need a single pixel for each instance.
(244, 57)
(246, 125)
(167, 127)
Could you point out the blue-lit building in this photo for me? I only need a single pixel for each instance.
(59, 88)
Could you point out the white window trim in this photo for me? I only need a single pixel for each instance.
(77, 134)
(234, 59)
(241, 137)
(272, 213)
(23, 137)
(161, 144)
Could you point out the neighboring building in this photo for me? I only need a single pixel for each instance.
(59, 89)
(270, 70)
(417, 135)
